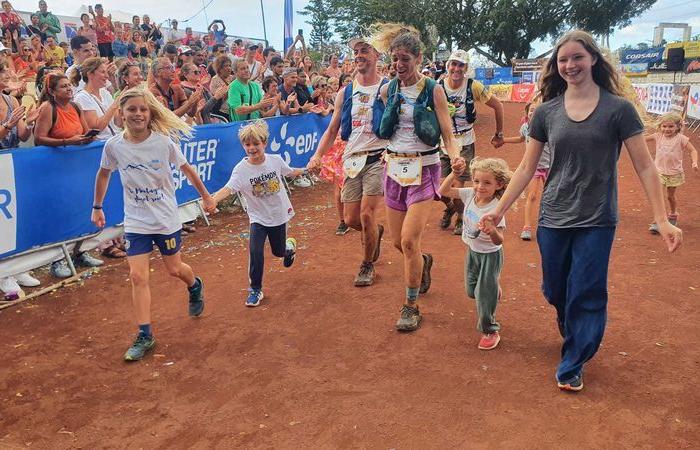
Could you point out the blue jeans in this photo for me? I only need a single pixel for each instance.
(258, 235)
(575, 282)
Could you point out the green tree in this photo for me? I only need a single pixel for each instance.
(320, 21)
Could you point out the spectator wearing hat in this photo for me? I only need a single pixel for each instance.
(105, 31)
(49, 23)
(288, 93)
(245, 98)
(254, 66)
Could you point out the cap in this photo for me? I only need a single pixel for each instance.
(183, 49)
(459, 56)
(352, 43)
(253, 47)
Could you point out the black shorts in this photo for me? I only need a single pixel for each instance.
(467, 152)
(106, 50)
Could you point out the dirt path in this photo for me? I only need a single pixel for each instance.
(319, 363)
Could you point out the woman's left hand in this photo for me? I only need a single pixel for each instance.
(672, 235)
(32, 115)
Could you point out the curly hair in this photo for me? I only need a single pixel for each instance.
(497, 166)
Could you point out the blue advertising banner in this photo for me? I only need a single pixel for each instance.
(648, 56)
(46, 193)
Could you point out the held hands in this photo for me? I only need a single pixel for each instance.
(458, 165)
(209, 204)
(673, 236)
(488, 223)
(314, 163)
(98, 218)
(497, 141)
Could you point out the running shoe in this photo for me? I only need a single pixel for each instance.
(290, 252)
(410, 318)
(60, 269)
(574, 385)
(196, 297)
(342, 229)
(377, 249)
(654, 228)
(10, 288)
(26, 280)
(425, 277)
(366, 275)
(142, 345)
(254, 297)
(446, 217)
(458, 228)
(526, 235)
(86, 260)
(489, 341)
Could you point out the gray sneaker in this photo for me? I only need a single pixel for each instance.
(141, 346)
(458, 228)
(409, 320)
(86, 260)
(654, 228)
(60, 269)
(366, 275)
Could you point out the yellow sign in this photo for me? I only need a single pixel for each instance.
(692, 48)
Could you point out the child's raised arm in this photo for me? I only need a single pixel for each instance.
(446, 189)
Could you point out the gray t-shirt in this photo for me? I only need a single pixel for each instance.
(581, 190)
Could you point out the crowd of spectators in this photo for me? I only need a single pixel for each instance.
(63, 93)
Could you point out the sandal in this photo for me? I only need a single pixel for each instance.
(113, 252)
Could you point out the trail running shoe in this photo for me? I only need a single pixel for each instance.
(377, 249)
(290, 252)
(196, 298)
(654, 228)
(141, 346)
(342, 229)
(26, 280)
(446, 217)
(425, 277)
(458, 228)
(574, 385)
(526, 235)
(410, 318)
(254, 297)
(489, 341)
(87, 260)
(60, 269)
(366, 275)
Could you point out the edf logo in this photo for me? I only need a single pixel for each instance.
(8, 205)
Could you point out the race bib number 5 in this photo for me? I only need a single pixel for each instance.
(354, 164)
(405, 170)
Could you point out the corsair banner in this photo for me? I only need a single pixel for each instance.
(46, 193)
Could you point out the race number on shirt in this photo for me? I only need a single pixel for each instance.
(405, 170)
(354, 164)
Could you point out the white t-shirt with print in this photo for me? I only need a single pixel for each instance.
(89, 102)
(263, 189)
(150, 206)
(471, 235)
(362, 138)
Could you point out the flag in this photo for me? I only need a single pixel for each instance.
(288, 24)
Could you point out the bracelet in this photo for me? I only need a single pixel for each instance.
(97, 207)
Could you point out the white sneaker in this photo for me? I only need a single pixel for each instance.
(302, 182)
(10, 288)
(26, 280)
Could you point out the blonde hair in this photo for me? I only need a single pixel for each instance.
(604, 74)
(163, 120)
(671, 117)
(496, 166)
(387, 37)
(254, 131)
(88, 66)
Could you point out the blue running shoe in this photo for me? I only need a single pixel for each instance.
(196, 297)
(290, 253)
(254, 297)
(142, 345)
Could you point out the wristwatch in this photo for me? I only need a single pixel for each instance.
(499, 135)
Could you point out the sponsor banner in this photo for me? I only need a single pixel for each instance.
(529, 65)
(692, 48)
(659, 66)
(659, 101)
(530, 77)
(501, 91)
(46, 193)
(693, 106)
(634, 70)
(648, 56)
(679, 98)
(522, 93)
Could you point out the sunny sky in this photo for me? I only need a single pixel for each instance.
(243, 17)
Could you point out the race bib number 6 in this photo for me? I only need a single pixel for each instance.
(354, 164)
(405, 170)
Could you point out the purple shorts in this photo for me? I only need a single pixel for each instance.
(401, 197)
(541, 173)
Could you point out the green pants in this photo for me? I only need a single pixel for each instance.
(482, 272)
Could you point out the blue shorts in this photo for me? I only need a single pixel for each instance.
(138, 244)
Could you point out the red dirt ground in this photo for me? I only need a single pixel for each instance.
(320, 365)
